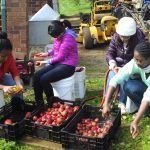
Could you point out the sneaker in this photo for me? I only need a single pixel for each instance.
(122, 107)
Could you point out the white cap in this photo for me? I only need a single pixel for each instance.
(126, 26)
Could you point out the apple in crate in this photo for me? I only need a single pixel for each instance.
(8, 122)
(28, 115)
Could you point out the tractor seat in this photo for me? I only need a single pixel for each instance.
(108, 18)
(100, 16)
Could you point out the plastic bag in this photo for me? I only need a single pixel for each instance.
(130, 106)
(2, 102)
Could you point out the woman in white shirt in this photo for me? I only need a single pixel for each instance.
(137, 90)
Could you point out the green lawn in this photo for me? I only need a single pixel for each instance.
(73, 7)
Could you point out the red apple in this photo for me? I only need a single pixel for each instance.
(37, 63)
(28, 115)
(34, 118)
(59, 120)
(8, 121)
(76, 108)
(97, 120)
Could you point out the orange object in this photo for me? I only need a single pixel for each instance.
(39, 55)
(104, 89)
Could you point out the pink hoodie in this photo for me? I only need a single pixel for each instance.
(64, 50)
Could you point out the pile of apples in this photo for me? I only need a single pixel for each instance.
(56, 115)
(92, 128)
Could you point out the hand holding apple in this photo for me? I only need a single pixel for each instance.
(106, 110)
(40, 63)
(116, 69)
(134, 130)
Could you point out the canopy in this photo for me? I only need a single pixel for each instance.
(46, 13)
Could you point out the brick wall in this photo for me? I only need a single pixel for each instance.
(35, 5)
(17, 26)
(17, 12)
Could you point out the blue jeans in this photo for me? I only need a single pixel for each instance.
(8, 80)
(47, 75)
(123, 96)
(135, 90)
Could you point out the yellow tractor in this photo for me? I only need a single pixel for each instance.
(99, 26)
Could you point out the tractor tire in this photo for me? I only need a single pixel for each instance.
(87, 39)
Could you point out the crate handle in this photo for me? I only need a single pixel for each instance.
(88, 99)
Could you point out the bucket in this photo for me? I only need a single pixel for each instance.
(130, 106)
(79, 86)
(2, 102)
(64, 89)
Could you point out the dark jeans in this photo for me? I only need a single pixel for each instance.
(135, 90)
(47, 75)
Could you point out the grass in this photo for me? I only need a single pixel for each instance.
(73, 7)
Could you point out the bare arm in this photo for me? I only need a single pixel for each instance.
(106, 108)
(134, 125)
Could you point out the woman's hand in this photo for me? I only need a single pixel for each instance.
(106, 110)
(134, 125)
(134, 130)
(11, 90)
(115, 69)
(40, 63)
(7, 89)
(43, 55)
(112, 65)
(20, 88)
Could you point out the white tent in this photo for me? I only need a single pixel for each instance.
(46, 13)
(38, 25)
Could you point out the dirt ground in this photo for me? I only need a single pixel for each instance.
(93, 59)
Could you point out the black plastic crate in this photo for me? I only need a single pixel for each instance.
(70, 140)
(51, 132)
(13, 131)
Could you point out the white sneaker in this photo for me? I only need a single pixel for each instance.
(122, 107)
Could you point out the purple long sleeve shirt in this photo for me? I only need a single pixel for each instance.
(64, 49)
(117, 52)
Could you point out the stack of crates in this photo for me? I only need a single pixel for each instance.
(48, 132)
(16, 128)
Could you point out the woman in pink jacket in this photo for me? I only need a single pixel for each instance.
(61, 65)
